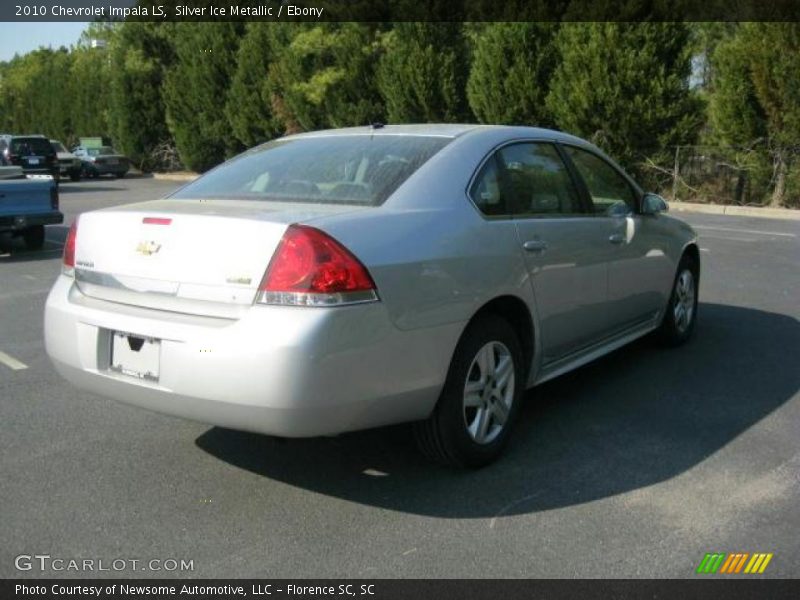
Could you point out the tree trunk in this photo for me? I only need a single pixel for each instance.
(741, 180)
(781, 170)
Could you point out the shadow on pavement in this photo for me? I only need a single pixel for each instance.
(634, 418)
(12, 248)
(89, 185)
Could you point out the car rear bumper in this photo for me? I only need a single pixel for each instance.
(286, 371)
(21, 222)
(54, 172)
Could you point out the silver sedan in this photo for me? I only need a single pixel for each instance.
(347, 279)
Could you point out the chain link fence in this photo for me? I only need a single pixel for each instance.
(755, 176)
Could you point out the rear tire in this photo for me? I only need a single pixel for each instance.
(681, 314)
(75, 175)
(34, 237)
(480, 401)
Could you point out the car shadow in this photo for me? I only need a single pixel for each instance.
(12, 248)
(89, 185)
(631, 419)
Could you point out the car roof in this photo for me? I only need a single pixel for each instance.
(449, 130)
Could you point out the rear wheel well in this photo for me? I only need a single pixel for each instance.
(515, 311)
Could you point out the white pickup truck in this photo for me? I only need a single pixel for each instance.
(27, 204)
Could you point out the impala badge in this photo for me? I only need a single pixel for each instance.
(148, 248)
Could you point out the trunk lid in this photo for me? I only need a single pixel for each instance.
(203, 257)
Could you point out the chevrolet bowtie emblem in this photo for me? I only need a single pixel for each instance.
(148, 248)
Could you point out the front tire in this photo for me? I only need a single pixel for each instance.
(480, 401)
(681, 314)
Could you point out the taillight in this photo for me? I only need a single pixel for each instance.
(310, 268)
(68, 268)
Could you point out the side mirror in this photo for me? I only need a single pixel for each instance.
(652, 204)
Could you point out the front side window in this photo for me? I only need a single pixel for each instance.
(611, 193)
(340, 169)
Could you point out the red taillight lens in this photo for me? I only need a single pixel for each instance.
(311, 268)
(69, 249)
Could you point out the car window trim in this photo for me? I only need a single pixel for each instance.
(587, 209)
(637, 192)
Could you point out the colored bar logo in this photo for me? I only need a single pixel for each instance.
(734, 563)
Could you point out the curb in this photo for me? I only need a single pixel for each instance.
(740, 211)
(178, 176)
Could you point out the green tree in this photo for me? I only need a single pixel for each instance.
(422, 74)
(195, 90)
(626, 86)
(249, 103)
(510, 76)
(140, 54)
(773, 51)
(33, 98)
(325, 77)
(89, 92)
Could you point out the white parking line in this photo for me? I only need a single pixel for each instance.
(11, 362)
(744, 230)
(710, 236)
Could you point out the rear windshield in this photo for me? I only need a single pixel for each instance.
(58, 147)
(31, 146)
(102, 151)
(353, 169)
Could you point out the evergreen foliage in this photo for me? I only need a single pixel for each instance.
(195, 90)
(626, 87)
(423, 72)
(511, 70)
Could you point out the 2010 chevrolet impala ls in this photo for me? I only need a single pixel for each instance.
(347, 279)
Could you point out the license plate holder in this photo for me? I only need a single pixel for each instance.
(135, 356)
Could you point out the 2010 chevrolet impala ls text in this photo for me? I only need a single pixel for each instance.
(340, 280)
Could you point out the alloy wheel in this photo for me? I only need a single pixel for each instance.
(489, 392)
(683, 309)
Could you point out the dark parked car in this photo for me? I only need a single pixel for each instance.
(103, 160)
(34, 153)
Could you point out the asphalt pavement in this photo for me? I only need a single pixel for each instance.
(633, 466)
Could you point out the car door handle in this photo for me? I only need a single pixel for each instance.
(535, 246)
(616, 238)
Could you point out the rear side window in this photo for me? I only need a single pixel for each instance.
(610, 192)
(525, 180)
(346, 169)
(486, 191)
(538, 180)
(31, 147)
